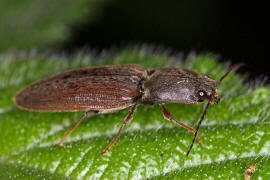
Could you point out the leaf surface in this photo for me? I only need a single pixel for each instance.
(236, 132)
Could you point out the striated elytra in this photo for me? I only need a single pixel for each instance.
(107, 89)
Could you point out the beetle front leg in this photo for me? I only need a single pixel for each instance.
(116, 137)
(167, 115)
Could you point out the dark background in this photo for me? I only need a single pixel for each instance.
(237, 32)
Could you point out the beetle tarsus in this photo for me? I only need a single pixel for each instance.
(56, 146)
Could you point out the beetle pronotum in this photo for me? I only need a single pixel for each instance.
(111, 88)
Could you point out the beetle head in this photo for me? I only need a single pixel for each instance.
(175, 85)
(179, 86)
(212, 97)
(207, 90)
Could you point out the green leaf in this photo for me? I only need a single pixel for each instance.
(29, 24)
(236, 132)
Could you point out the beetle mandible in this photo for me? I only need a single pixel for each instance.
(107, 89)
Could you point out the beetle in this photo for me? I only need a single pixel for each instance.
(251, 169)
(105, 89)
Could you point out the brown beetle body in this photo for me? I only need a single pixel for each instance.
(111, 88)
(101, 89)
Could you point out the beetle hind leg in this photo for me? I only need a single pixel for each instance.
(167, 115)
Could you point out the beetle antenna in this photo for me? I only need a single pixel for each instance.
(233, 68)
(198, 127)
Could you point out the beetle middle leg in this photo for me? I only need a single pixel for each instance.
(116, 137)
(76, 125)
(167, 115)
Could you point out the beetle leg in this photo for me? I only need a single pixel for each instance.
(75, 125)
(116, 137)
(167, 115)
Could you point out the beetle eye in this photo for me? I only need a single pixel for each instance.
(202, 95)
